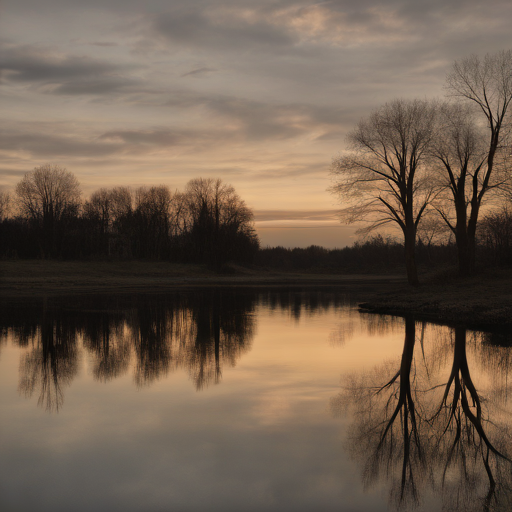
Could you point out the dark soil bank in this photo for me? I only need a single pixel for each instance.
(483, 301)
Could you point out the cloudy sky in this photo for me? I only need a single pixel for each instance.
(260, 94)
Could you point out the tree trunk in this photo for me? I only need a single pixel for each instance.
(461, 229)
(410, 256)
(463, 250)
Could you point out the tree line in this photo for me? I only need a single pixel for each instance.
(417, 161)
(207, 223)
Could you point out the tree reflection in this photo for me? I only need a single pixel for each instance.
(388, 431)
(415, 430)
(198, 332)
(51, 363)
(224, 330)
(464, 439)
(150, 335)
(104, 338)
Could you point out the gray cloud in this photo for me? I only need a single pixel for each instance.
(104, 44)
(42, 145)
(99, 86)
(30, 64)
(199, 71)
(7, 172)
(258, 120)
(219, 28)
(62, 74)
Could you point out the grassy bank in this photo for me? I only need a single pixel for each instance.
(37, 277)
(481, 301)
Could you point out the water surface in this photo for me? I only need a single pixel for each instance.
(232, 399)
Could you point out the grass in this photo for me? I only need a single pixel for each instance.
(40, 277)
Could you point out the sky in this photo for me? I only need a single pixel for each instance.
(260, 94)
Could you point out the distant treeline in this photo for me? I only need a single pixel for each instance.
(207, 223)
(379, 254)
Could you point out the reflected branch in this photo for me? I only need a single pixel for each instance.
(443, 436)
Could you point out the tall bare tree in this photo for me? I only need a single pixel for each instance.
(383, 178)
(474, 156)
(458, 156)
(47, 195)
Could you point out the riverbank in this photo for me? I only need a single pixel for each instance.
(482, 301)
(28, 278)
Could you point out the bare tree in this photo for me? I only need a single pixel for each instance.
(98, 209)
(383, 178)
(219, 221)
(474, 157)
(5, 205)
(152, 216)
(109, 212)
(46, 195)
(458, 155)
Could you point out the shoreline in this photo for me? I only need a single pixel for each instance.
(479, 302)
(483, 301)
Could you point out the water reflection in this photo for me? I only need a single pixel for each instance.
(415, 430)
(435, 420)
(147, 335)
(51, 362)
(150, 335)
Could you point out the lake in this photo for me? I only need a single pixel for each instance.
(233, 399)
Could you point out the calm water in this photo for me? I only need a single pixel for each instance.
(236, 400)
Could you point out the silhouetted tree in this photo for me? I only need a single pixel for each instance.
(152, 221)
(5, 205)
(219, 224)
(49, 196)
(109, 222)
(474, 157)
(383, 177)
(496, 236)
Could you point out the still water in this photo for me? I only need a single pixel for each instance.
(239, 400)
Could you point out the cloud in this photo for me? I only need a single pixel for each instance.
(104, 43)
(6, 171)
(31, 64)
(150, 139)
(59, 73)
(199, 71)
(41, 145)
(220, 26)
(258, 120)
(95, 87)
